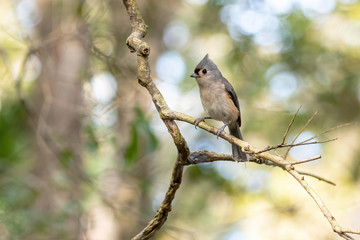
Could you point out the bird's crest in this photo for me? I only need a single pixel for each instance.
(207, 63)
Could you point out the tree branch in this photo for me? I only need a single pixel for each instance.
(307, 160)
(204, 156)
(296, 137)
(317, 177)
(289, 126)
(142, 49)
(303, 143)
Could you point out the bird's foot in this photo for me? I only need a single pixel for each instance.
(200, 119)
(220, 130)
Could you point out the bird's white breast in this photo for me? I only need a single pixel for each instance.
(217, 103)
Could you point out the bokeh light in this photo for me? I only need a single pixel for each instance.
(170, 67)
(197, 2)
(283, 85)
(306, 151)
(176, 35)
(104, 87)
(28, 13)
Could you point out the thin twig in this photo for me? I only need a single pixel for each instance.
(296, 137)
(306, 160)
(317, 177)
(289, 126)
(294, 145)
(346, 236)
(351, 231)
(328, 130)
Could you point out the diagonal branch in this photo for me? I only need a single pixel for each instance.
(307, 160)
(289, 126)
(295, 145)
(304, 142)
(317, 177)
(296, 137)
(326, 131)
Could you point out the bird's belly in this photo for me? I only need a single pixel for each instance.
(219, 106)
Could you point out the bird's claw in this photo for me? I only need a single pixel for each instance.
(218, 133)
(220, 130)
(198, 120)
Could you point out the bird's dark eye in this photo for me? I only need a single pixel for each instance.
(204, 71)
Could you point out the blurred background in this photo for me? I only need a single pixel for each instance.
(83, 154)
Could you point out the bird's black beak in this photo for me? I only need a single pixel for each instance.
(194, 75)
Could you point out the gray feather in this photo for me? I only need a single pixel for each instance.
(237, 153)
(207, 63)
(219, 100)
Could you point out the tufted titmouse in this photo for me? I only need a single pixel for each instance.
(219, 101)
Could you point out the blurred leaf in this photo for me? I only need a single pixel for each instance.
(65, 158)
(91, 140)
(12, 139)
(131, 150)
(207, 172)
(145, 185)
(143, 141)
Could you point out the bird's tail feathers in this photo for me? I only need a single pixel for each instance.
(237, 153)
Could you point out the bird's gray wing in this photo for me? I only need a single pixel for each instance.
(230, 90)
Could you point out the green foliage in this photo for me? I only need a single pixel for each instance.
(16, 197)
(13, 126)
(66, 157)
(142, 139)
(15, 204)
(207, 172)
(132, 149)
(92, 143)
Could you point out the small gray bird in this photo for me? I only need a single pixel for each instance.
(219, 101)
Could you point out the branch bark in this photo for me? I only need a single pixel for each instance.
(142, 49)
